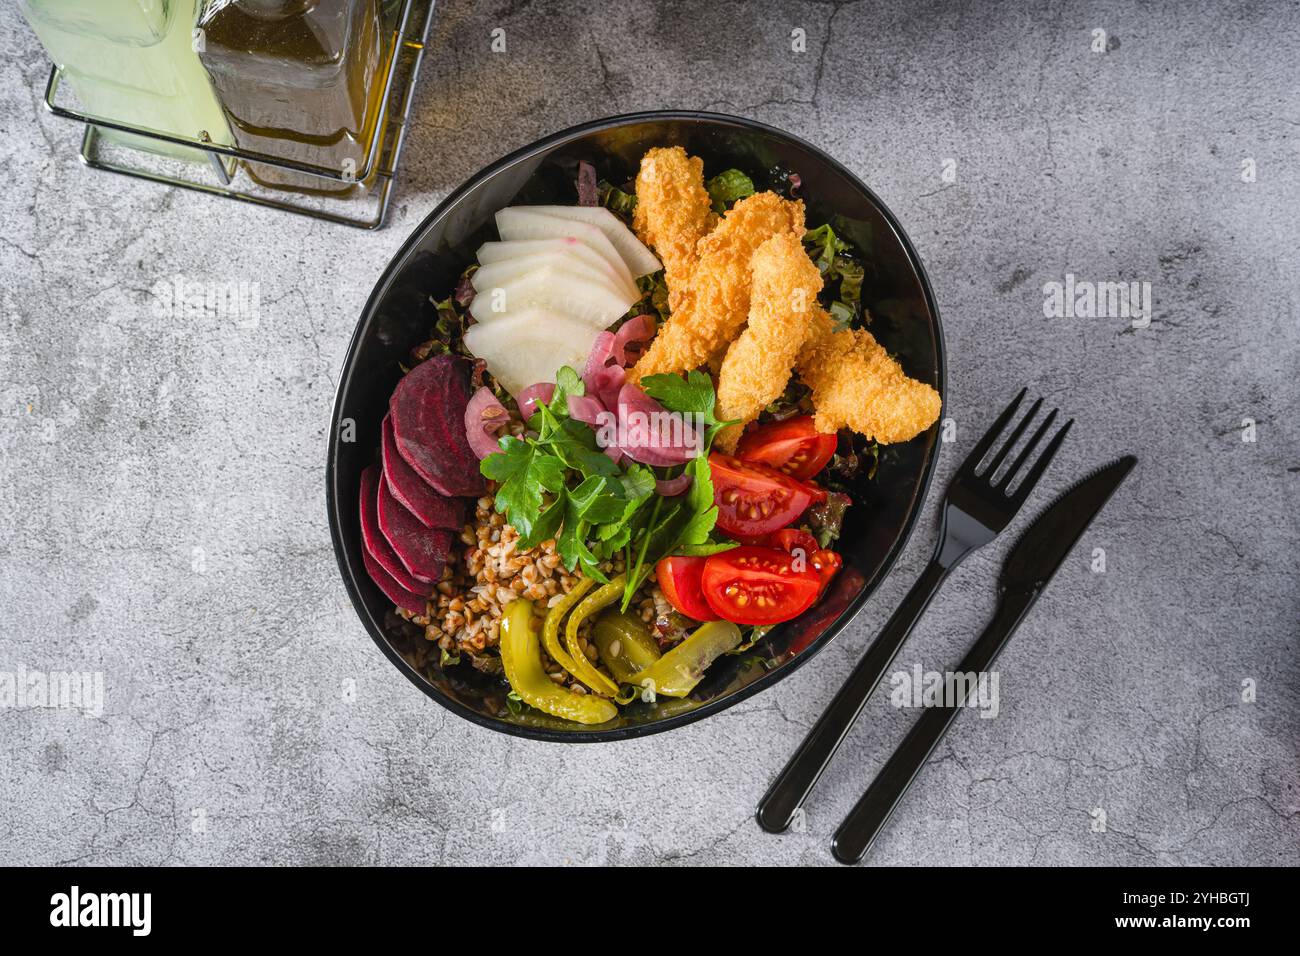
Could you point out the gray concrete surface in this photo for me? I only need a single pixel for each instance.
(161, 490)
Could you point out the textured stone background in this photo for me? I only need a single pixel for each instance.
(126, 443)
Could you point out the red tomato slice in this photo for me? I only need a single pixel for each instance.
(827, 564)
(752, 585)
(793, 447)
(789, 539)
(755, 499)
(816, 491)
(679, 579)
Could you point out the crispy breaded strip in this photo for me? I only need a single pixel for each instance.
(856, 384)
(758, 364)
(714, 304)
(673, 212)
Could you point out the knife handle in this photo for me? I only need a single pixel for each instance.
(777, 809)
(868, 817)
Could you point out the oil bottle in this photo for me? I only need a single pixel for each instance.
(298, 79)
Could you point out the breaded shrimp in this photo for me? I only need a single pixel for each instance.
(856, 384)
(759, 363)
(715, 302)
(672, 212)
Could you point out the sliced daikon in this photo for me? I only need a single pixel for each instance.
(640, 260)
(496, 274)
(520, 222)
(491, 252)
(530, 346)
(552, 287)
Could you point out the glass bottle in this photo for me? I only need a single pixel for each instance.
(298, 79)
(133, 61)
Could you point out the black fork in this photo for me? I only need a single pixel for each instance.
(979, 505)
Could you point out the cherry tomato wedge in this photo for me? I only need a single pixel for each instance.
(815, 491)
(753, 585)
(755, 499)
(793, 447)
(803, 547)
(679, 579)
(788, 539)
(827, 564)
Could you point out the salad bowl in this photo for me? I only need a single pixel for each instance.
(401, 312)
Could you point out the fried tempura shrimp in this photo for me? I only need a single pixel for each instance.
(673, 212)
(855, 384)
(715, 302)
(759, 363)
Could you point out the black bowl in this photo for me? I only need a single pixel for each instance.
(400, 314)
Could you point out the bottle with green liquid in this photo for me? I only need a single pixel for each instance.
(298, 79)
(133, 61)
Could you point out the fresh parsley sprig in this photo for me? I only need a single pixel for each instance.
(557, 483)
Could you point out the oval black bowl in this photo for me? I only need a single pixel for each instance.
(399, 314)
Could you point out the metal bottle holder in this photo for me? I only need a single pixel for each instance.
(375, 177)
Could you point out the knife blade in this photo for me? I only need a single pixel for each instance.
(1037, 554)
(1033, 560)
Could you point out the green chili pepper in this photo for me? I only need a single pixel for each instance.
(598, 600)
(677, 672)
(521, 654)
(554, 620)
(624, 643)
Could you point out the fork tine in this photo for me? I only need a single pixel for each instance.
(982, 448)
(1011, 442)
(1040, 466)
(1028, 450)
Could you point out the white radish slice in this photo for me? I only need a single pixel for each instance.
(507, 270)
(519, 222)
(575, 295)
(640, 260)
(491, 252)
(530, 346)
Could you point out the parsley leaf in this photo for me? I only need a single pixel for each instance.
(699, 504)
(572, 542)
(574, 443)
(691, 396)
(596, 500)
(547, 525)
(567, 382)
(524, 471)
(638, 482)
(687, 522)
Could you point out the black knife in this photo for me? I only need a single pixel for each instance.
(1029, 566)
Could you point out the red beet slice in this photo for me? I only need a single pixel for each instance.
(394, 591)
(422, 550)
(433, 510)
(428, 413)
(376, 545)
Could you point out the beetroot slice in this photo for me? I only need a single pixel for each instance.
(422, 550)
(376, 545)
(399, 595)
(433, 510)
(428, 413)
